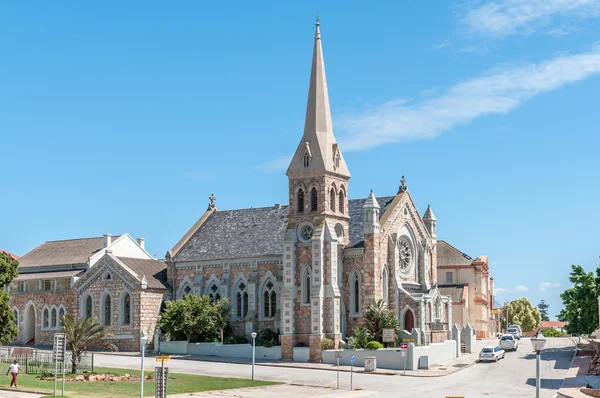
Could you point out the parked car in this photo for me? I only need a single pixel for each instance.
(491, 353)
(520, 331)
(514, 331)
(509, 342)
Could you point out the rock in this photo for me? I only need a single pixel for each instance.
(127, 375)
(100, 377)
(80, 378)
(117, 378)
(92, 378)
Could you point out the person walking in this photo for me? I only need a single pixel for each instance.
(14, 369)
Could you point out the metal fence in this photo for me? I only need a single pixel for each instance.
(42, 361)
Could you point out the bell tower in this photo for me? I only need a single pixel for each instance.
(318, 222)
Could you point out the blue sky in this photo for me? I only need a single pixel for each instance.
(125, 118)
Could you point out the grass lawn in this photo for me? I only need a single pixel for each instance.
(178, 383)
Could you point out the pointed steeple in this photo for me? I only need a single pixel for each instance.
(318, 150)
(430, 221)
(429, 216)
(371, 214)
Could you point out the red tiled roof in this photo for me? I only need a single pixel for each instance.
(551, 324)
(13, 256)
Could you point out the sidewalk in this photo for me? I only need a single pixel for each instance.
(577, 377)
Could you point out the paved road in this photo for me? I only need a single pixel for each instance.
(513, 376)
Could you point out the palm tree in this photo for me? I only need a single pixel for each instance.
(80, 335)
(379, 317)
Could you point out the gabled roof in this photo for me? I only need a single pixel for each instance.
(155, 271)
(450, 255)
(63, 252)
(234, 234)
(13, 256)
(355, 211)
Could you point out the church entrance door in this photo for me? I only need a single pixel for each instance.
(29, 324)
(409, 320)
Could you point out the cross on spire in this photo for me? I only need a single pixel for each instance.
(212, 204)
(403, 186)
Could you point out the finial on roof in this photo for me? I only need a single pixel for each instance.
(318, 18)
(212, 204)
(317, 29)
(403, 186)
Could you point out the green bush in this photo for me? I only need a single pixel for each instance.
(267, 338)
(374, 345)
(235, 340)
(553, 333)
(360, 338)
(327, 344)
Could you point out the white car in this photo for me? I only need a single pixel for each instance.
(491, 353)
(509, 342)
(519, 333)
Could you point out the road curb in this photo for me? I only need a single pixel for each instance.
(558, 393)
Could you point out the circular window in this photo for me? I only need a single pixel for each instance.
(406, 255)
(339, 230)
(305, 232)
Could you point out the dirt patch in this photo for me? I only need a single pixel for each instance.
(592, 392)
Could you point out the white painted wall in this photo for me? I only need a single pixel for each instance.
(233, 351)
(173, 347)
(126, 246)
(387, 358)
(301, 354)
(437, 353)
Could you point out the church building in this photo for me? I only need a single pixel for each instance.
(311, 268)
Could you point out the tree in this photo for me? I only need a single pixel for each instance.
(81, 334)
(379, 317)
(195, 316)
(543, 308)
(8, 272)
(522, 313)
(580, 311)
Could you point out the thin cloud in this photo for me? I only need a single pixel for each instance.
(497, 92)
(503, 18)
(548, 285)
(439, 46)
(517, 289)
(278, 164)
(521, 288)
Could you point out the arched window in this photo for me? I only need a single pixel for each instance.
(438, 308)
(125, 309)
(53, 318)
(314, 200)
(355, 293)
(89, 307)
(107, 310)
(384, 284)
(45, 320)
(269, 300)
(306, 159)
(332, 200)
(300, 201)
(213, 292)
(107, 276)
(186, 290)
(241, 297)
(341, 202)
(61, 313)
(305, 285)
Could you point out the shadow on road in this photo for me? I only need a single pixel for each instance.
(548, 384)
(562, 356)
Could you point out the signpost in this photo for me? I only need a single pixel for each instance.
(58, 355)
(389, 336)
(338, 355)
(403, 348)
(351, 369)
(161, 376)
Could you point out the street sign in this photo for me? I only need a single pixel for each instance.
(58, 349)
(389, 335)
(408, 340)
(404, 346)
(352, 358)
(161, 376)
(338, 353)
(164, 358)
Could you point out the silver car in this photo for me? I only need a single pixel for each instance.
(491, 353)
(509, 342)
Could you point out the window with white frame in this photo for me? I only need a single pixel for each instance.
(241, 300)
(22, 286)
(45, 318)
(384, 284)
(47, 285)
(449, 277)
(106, 310)
(213, 292)
(53, 318)
(354, 293)
(88, 309)
(438, 308)
(125, 309)
(305, 285)
(269, 300)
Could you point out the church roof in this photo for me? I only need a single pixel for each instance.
(450, 255)
(63, 252)
(48, 275)
(240, 233)
(355, 211)
(155, 271)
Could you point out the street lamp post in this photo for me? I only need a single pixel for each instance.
(143, 341)
(538, 342)
(253, 351)
(159, 332)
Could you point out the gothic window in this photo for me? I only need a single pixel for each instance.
(438, 308)
(300, 201)
(354, 293)
(385, 284)
(405, 254)
(45, 316)
(305, 285)
(186, 290)
(269, 300)
(341, 202)
(53, 318)
(339, 231)
(89, 307)
(61, 313)
(16, 321)
(332, 200)
(214, 293)
(306, 159)
(337, 160)
(241, 299)
(126, 309)
(314, 200)
(107, 310)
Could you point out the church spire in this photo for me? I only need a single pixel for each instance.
(318, 150)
